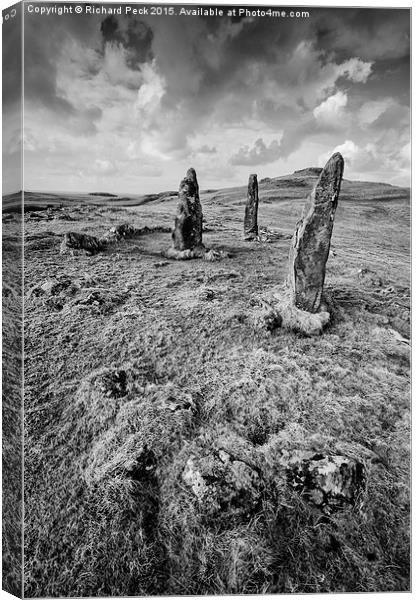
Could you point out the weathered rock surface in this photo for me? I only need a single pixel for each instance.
(112, 382)
(330, 482)
(117, 233)
(80, 241)
(91, 244)
(188, 229)
(278, 310)
(226, 480)
(311, 241)
(269, 235)
(250, 225)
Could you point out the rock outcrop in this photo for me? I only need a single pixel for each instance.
(117, 233)
(80, 241)
(311, 242)
(330, 482)
(225, 479)
(92, 244)
(250, 226)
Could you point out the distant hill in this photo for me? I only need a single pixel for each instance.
(298, 185)
(286, 187)
(309, 172)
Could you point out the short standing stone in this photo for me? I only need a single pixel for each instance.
(250, 226)
(188, 229)
(311, 241)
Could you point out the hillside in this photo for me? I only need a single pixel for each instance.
(270, 189)
(160, 421)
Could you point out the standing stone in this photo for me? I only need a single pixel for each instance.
(250, 226)
(188, 229)
(191, 174)
(311, 241)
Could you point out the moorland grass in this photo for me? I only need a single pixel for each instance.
(164, 372)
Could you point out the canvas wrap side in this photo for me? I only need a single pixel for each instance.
(12, 329)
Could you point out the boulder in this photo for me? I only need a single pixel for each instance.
(117, 233)
(330, 482)
(80, 241)
(225, 479)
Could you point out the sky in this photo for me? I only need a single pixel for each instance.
(126, 104)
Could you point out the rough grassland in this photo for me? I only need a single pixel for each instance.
(12, 446)
(136, 366)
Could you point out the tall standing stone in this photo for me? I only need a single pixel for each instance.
(250, 226)
(311, 241)
(188, 229)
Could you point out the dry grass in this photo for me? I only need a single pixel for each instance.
(144, 369)
(12, 407)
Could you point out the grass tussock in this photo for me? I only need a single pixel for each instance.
(160, 421)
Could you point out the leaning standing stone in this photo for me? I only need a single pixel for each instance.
(250, 226)
(188, 229)
(311, 241)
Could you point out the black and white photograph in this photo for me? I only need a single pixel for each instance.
(206, 299)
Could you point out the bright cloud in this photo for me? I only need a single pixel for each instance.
(356, 70)
(331, 111)
(150, 92)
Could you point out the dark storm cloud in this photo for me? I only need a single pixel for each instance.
(161, 84)
(373, 34)
(45, 41)
(109, 28)
(215, 66)
(241, 45)
(41, 73)
(133, 34)
(44, 46)
(342, 33)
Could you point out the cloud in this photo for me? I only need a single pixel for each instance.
(11, 62)
(149, 94)
(356, 70)
(370, 111)
(259, 154)
(331, 111)
(354, 156)
(206, 149)
(103, 167)
(373, 159)
(382, 34)
(133, 34)
(115, 67)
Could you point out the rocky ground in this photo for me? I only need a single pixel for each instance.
(172, 446)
